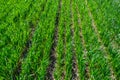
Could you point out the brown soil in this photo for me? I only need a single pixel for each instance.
(51, 66)
(75, 75)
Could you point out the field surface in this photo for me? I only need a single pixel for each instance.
(59, 39)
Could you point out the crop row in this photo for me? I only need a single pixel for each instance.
(14, 34)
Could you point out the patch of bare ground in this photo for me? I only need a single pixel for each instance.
(105, 50)
(75, 75)
(49, 74)
(87, 68)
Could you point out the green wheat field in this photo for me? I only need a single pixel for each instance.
(59, 39)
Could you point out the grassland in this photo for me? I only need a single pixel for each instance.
(60, 40)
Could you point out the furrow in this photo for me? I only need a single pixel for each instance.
(87, 69)
(74, 59)
(51, 66)
(28, 45)
(93, 22)
(105, 50)
(23, 55)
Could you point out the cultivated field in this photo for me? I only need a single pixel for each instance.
(59, 39)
